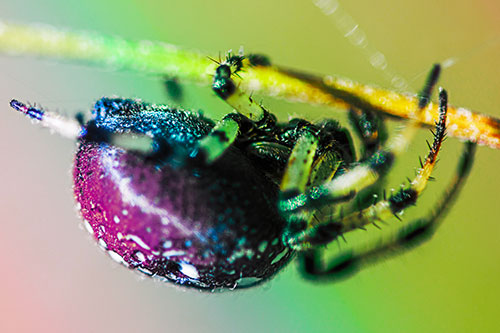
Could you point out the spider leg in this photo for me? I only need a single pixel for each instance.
(296, 178)
(174, 89)
(321, 151)
(370, 128)
(227, 130)
(219, 139)
(412, 234)
(66, 127)
(300, 164)
(224, 86)
(324, 233)
(75, 129)
(303, 169)
(366, 173)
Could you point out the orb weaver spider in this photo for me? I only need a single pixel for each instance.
(226, 205)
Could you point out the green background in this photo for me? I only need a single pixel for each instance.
(54, 279)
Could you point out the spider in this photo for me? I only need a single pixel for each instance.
(226, 205)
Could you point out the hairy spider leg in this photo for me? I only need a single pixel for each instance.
(412, 234)
(324, 233)
(73, 128)
(219, 139)
(66, 127)
(303, 169)
(224, 86)
(299, 174)
(306, 167)
(370, 128)
(300, 164)
(226, 130)
(364, 174)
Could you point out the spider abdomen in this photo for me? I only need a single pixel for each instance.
(214, 227)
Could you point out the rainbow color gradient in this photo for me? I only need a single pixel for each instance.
(54, 279)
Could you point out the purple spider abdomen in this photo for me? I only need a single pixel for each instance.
(212, 227)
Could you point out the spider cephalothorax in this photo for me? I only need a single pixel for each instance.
(227, 204)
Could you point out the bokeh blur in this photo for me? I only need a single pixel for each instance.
(54, 279)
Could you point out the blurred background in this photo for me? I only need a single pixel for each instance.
(54, 279)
